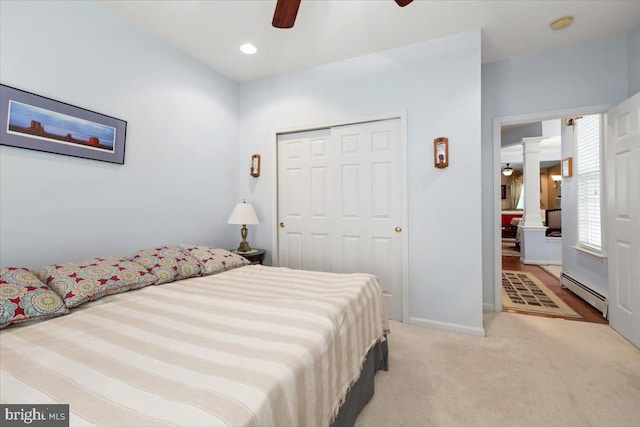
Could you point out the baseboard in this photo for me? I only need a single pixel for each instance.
(488, 307)
(444, 326)
(533, 261)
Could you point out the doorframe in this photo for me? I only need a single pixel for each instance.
(402, 116)
(498, 122)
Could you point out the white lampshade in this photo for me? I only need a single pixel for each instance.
(243, 213)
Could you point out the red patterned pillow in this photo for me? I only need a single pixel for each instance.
(168, 263)
(83, 281)
(23, 297)
(215, 260)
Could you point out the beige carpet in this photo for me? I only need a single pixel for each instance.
(527, 371)
(523, 291)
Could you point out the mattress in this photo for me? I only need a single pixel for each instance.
(252, 346)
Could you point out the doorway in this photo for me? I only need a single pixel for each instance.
(551, 187)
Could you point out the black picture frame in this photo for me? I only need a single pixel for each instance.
(39, 123)
(503, 192)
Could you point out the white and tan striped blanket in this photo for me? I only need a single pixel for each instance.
(253, 346)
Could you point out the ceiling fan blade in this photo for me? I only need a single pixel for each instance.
(285, 14)
(403, 3)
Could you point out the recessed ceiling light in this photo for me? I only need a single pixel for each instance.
(561, 23)
(248, 48)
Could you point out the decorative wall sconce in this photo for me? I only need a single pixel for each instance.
(570, 121)
(441, 152)
(255, 165)
(557, 180)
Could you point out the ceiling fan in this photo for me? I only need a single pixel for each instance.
(287, 10)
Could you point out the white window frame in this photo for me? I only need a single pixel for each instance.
(586, 244)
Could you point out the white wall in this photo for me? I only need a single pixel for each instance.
(590, 74)
(633, 52)
(438, 84)
(180, 147)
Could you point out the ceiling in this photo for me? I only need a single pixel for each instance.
(332, 30)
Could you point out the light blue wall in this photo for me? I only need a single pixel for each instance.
(180, 147)
(633, 52)
(437, 84)
(590, 74)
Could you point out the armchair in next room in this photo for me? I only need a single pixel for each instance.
(553, 220)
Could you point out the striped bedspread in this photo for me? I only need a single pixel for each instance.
(253, 346)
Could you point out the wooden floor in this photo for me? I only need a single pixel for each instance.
(588, 313)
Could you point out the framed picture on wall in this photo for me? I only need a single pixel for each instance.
(503, 192)
(38, 123)
(567, 167)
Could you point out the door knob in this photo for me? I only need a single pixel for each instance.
(282, 225)
(398, 229)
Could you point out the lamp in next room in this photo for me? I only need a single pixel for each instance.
(243, 214)
(507, 171)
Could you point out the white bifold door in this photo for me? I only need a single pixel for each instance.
(340, 203)
(622, 160)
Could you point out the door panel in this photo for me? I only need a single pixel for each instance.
(350, 189)
(294, 255)
(622, 155)
(320, 252)
(303, 208)
(319, 192)
(381, 191)
(347, 182)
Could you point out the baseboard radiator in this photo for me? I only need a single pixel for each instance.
(585, 292)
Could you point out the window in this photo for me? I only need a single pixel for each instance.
(588, 171)
(520, 204)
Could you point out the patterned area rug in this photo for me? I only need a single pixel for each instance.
(509, 247)
(523, 292)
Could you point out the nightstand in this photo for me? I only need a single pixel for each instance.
(255, 257)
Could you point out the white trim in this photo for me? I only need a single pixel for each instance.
(488, 307)
(445, 326)
(534, 261)
(357, 120)
(497, 226)
(402, 116)
(274, 200)
(405, 217)
(600, 255)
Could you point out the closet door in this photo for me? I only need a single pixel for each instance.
(340, 203)
(304, 208)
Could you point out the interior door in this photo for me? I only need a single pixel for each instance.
(622, 157)
(340, 203)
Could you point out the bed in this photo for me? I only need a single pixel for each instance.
(249, 346)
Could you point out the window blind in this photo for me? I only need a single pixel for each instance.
(588, 174)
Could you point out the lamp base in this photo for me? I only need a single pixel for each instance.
(244, 247)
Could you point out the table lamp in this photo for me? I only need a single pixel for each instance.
(243, 214)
